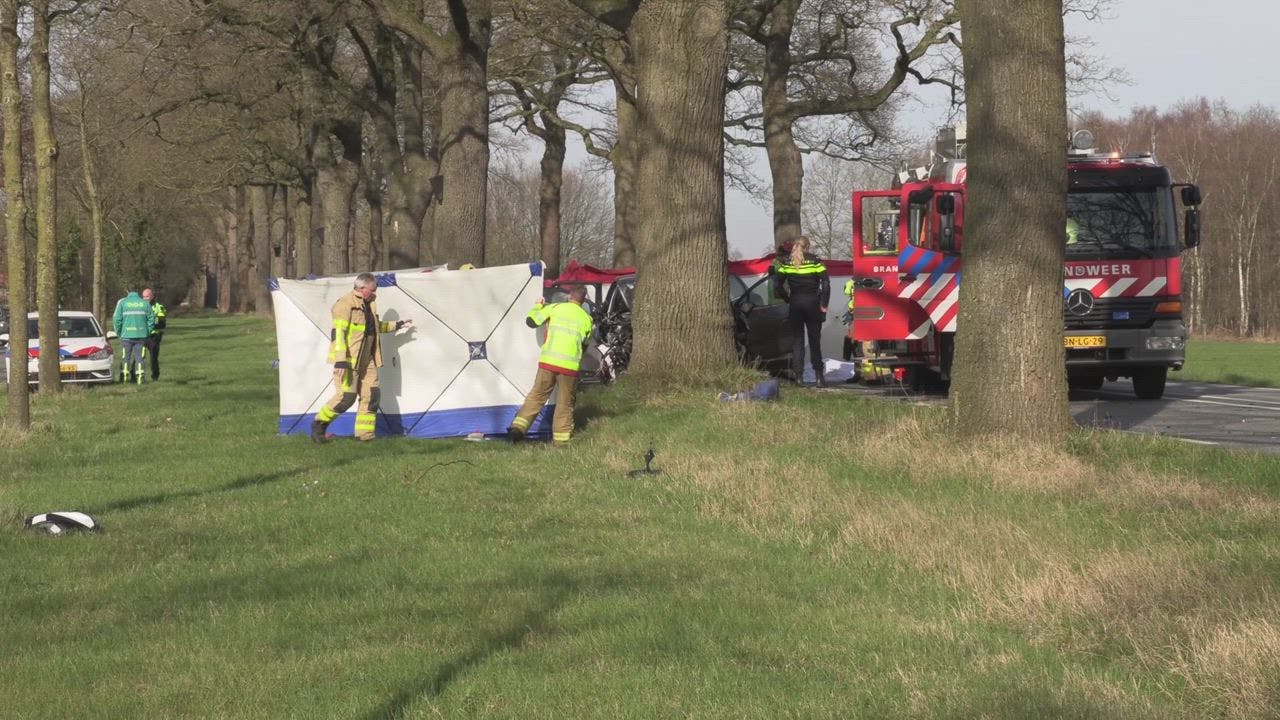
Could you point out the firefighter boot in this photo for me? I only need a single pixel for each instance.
(317, 432)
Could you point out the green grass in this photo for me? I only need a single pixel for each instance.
(1236, 362)
(816, 557)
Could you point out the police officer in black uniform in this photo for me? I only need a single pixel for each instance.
(801, 279)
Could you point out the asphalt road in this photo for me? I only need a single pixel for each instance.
(1203, 413)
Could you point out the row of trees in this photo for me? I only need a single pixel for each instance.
(1234, 155)
(326, 136)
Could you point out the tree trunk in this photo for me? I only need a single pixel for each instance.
(302, 232)
(785, 163)
(15, 210)
(231, 279)
(549, 187)
(337, 186)
(46, 157)
(1011, 297)
(244, 259)
(279, 230)
(463, 139)
(410, 181)
(680, 52)
(623, 157)
(336, 180)
(260, 260)
(98, 294)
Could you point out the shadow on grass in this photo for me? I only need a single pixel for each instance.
(557, 589)
(237, 484)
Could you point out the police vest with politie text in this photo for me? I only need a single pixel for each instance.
(158, 310)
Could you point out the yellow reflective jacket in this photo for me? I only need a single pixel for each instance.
(849, 290)
(349, 342)
(568, 327)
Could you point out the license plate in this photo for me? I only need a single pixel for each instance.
(66, 368)
(1085, 341)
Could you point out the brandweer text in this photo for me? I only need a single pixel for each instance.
(1098, 270)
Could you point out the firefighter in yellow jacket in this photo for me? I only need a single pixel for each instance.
(356, 355)
(568, 328)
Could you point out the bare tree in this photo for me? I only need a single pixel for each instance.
(828, 212)
(820, 61)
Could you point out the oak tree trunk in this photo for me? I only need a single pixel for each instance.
(231, 278)
(683, 329)
(1010, 376)
(549, 187)
(97, 293)
(623, 157)
(15, 210)
(279, 230)
(260, 259)
(463, 137)
(304, 263)
(785, 163)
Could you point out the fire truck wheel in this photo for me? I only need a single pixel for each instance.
(1149, 384)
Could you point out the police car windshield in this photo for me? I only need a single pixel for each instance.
(1120, 222)
(68, 327)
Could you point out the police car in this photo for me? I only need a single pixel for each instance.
(84, 349)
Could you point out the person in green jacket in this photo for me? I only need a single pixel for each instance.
(157, 332)
(133, 322)
(568, 329)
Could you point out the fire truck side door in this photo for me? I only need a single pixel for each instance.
(878, 236)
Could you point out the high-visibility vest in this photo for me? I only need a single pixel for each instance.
(133, 319)
(848, 290)
(568, 327)
(158, 310)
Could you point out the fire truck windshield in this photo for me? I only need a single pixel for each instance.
(1121, 222)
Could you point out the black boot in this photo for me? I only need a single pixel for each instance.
(821, 379)
(317, 431)
(515, 434)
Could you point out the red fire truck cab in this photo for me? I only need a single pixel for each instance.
(1122, 279)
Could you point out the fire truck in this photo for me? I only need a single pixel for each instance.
(1122, 281)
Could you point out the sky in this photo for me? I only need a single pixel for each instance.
(1171, 49)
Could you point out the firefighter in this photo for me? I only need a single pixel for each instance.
(852, 348)
(157, 333)
(356, 354)
(133, 322)
(1073, 231)
(801, 280)
(568, 330)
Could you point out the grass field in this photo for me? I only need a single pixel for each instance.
(820, 557)
(1235, 362)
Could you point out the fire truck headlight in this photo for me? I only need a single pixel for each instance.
(1165, 343)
